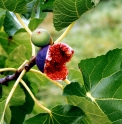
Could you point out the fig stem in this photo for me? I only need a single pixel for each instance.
(11, 93)
(54, 82)
(33, 97)
(27, 29)
(65, 32)
(67, 81)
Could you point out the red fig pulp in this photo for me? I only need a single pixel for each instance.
(52, 60)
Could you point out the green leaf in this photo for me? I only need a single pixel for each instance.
(95, 70)
(30, 8)
(34, 23)
(2, 16)
(92, 111)
(37, 16)
(103, 86)
(61, 114)
(16, 57)
(37, 78)
(3, 56)
(74, 89)
(33, 9)
(10, 25)
(10, 43)
(18, 6)
(76, 95)
(47, 5)
(66, 12)
(3, 52)
(75, 76)
(19, 112)
(18, 98)
(7, 116)
(95, 1)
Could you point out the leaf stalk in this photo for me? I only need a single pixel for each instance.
(65, 32)
(67, 81)
(7, 69)
(28, 30)
(11, 93)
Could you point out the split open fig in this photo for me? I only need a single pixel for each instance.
(52, 60)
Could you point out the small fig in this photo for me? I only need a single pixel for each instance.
(40, 37)
(52, 59)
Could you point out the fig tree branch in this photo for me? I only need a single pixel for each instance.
(14, 76)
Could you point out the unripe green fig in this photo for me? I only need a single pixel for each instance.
(40, 37)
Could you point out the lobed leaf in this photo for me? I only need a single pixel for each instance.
(10, 43)
(30, 9)
(96, 1)
(18, 98)
(34, 23)
(75, 76)
(47, 5)
(18, 6)
(100, 97)
(10, 25)
(67, 11)
(20, 112)
(16, 57)
(76, 95)
(2, 16)
(3, 56)
(37, 78)
(61, 114)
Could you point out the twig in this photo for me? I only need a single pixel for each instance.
(54, 82)
(33, 97)
(65, 33)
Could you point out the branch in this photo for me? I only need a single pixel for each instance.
(14, 76)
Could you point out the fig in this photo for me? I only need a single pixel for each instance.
(40, 37)
(52, 60)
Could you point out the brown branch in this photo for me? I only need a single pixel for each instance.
(27, 67)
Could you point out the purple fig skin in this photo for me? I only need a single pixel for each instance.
(41, 57)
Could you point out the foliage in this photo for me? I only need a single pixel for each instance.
(93, 92)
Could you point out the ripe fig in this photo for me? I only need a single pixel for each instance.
(40, 37)
(52, 59)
